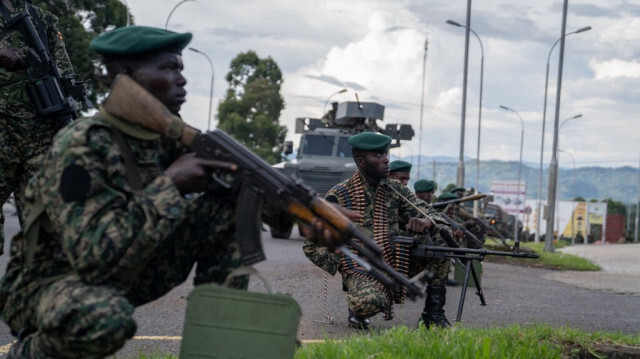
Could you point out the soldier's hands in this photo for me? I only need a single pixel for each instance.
(191, 174)
(317, 233)
(11, 60)
(418, 225)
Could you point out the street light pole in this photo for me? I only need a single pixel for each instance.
(324, 108)
(211, 89)
(424, 71)
(544, 120)
(515, 225)
(563, 122)
(573, 189)
(475, 203)
(553, 165)
(460, 172)
(166, 24)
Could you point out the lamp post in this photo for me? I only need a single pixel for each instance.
(424, 72)
(451, 22)
(166, 24)
(565, 121)
(544, 118)
(324, 108)
(573, 189)
(515, 226)
(460, 170)
(211, 88)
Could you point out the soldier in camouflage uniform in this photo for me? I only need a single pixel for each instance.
(23, 137)
(425, 190)
(107, 224)
(400, 171)
(379, 203)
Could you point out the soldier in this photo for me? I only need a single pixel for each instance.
(400, 171)
(425, 189)
(23, 137)
(378, 204)
(114, 227)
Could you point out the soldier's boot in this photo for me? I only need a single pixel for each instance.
(357, 322)
(13, 351)
(452, 282)
(433, 312)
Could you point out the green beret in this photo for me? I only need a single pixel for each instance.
(424, 186)
(448, 196)
(399, 166)
(138, 40)
(458, 189)
(370, 141)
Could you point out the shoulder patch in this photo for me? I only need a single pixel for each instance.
(75, 184)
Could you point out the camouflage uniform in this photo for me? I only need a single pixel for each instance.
(22, 136)
(105, 248)
(366, 296)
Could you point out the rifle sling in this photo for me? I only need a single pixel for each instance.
(131, 169)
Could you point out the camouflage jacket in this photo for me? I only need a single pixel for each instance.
(99, 227)
(14, 100)
(397, 207)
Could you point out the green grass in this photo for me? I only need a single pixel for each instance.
(522, 342)
(555, 260)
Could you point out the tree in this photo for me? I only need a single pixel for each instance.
(252, 105)
(80, 21)
(579, 199)
(615, 207)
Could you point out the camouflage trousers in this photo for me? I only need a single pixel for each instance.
(74, 319)
(22, 141)
(367, 297)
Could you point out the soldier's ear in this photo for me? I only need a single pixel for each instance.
(359, 161)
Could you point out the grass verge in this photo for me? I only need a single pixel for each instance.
(515, 341)
(555, 260)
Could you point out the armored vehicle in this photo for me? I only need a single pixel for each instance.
(324, 156)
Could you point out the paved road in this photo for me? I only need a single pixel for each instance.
(515, 295)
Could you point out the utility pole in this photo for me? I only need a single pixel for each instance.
(424, 71)
(460, 173)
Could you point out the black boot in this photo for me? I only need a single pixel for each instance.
(357, 322)
(433, 312)
(452, 282)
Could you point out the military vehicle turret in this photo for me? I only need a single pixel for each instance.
(324, 156)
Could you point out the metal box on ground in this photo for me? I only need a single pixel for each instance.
(459, 273)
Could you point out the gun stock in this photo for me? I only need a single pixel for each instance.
(130, 101)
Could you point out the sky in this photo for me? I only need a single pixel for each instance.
(376, 49)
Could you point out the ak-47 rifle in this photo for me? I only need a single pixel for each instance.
(478, 221)
(259, 183)
(53, 95)
(459, 200)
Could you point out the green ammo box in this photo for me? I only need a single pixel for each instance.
(459, 273)
(230, 323)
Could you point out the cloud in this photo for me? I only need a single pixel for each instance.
(615, 68)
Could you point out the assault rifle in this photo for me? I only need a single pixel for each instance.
(465, 256)
(459, 200)
(259, 183)
(52, 94)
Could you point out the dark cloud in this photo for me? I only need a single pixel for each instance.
(334, 81)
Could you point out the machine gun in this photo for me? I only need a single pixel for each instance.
(52, 94)
(259, 183)
(465, 256)
(443, 204)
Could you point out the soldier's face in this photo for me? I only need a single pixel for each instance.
(403, 177)
(375, 164)
(425, 196)
(161, 75)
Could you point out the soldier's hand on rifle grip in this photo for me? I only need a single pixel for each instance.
(11, 60)
(191, 174)
(418, 225)
(319, 234)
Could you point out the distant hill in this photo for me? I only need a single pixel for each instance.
(620, 184)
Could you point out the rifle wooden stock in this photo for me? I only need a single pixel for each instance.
(130, 101)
